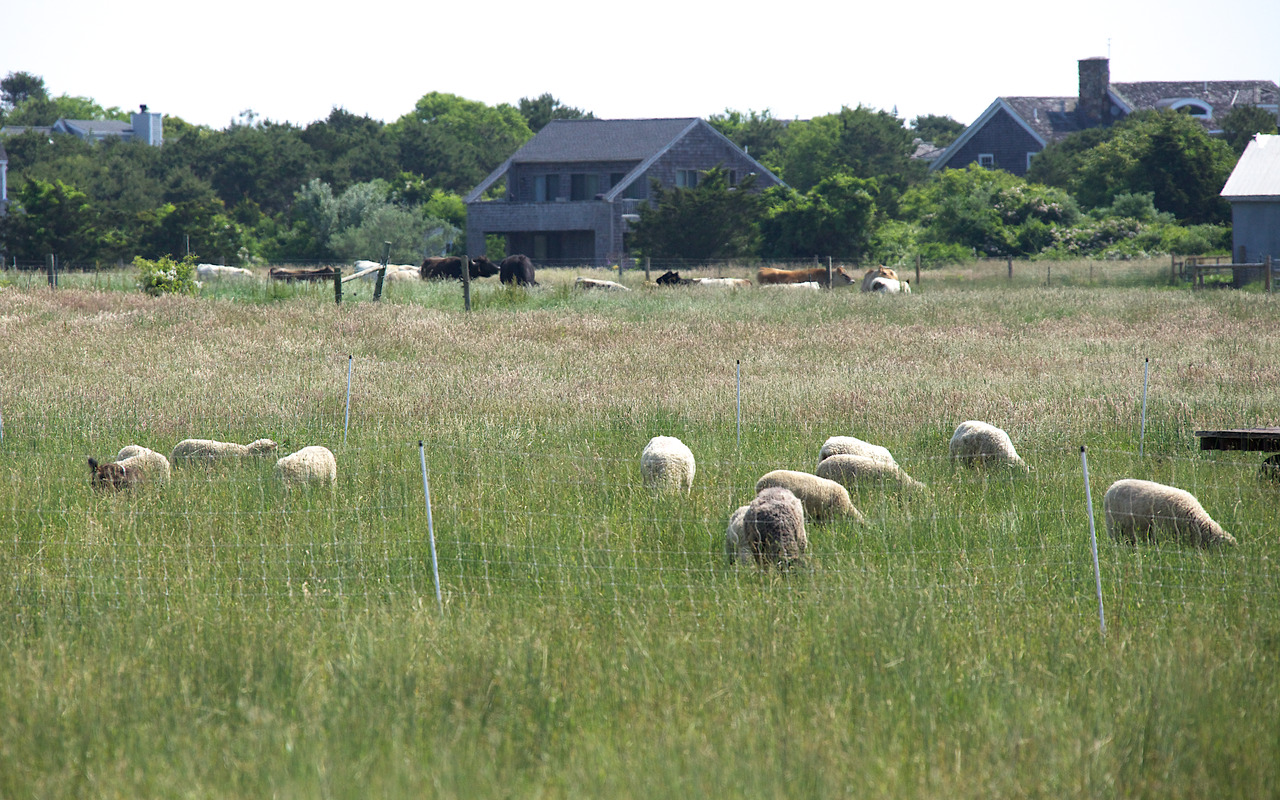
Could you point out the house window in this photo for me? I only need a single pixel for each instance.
(732, 175)
(686, 178)
(583, 186)
(546, 188)
(986, 160)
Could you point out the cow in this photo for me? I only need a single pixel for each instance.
(303, 274)
(596, 284)
(517, 269)
(869, 278)
(670, 278)
(439, 268)
(839, 277)
(723, 283)
(890, 286)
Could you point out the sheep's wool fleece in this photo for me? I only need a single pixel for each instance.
(821, 497)
(313, 464)
(211, 449)
(981, 444)
(154, 466)
(735, 536)
(853, 446)
(774, 527)
(1145, 511)
(849, 470)
(667, 464)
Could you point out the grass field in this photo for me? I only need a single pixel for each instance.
(221, 637)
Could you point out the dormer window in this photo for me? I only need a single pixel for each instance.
(1188, 105)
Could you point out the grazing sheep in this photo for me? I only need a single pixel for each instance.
(206, 272)
(208, 449)
(667, 464)
(978, 444)
(153, 466)
(851, 445)
(112, 476)
(313, 464)
(735, 537)
(774, 527)
(596, 283)
(822, 498)
(850, 470)
(1145, 511)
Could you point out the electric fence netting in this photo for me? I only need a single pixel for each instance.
(577, 524)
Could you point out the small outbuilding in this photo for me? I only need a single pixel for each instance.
(1253, 190)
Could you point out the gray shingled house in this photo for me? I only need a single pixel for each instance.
(574, 188)
(143, 126)
(1013, 129)
(1254, 193)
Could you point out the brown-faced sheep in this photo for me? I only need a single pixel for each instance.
(774, 527)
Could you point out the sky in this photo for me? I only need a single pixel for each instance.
(288, 62)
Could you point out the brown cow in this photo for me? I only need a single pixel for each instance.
(290, 274)
(818, 275)
(868, 280)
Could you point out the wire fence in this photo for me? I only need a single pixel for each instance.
(558, 526)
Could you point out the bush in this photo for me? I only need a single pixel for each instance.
(166, 276)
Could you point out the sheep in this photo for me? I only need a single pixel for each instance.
(849, 470)
(210, 271)
(667, 464)
(208, 449)
(153, 466)
(314, 464)
(596, 283)
(112, 475)
(774, 527)
(851, 445)
(821, 498)
(979, 444)
(1144, 511)
(735, 537)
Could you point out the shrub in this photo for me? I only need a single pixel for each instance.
(166, 276)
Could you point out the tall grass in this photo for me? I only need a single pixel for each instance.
(220, 636)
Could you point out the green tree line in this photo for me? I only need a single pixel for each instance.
(259, 190)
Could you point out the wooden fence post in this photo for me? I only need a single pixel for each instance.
(337, 285)
(646, 269)
(466, 282)
(1267, 268)
(51, 267)
(1010, 267)
(382, 273)
(829, 270)
(917, 270)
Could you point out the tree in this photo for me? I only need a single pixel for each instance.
(257, 160)
(835, 218)
(940, 130)
(544, 108)
(351, 149)
(758, 133)
(1167, 153)
(1241, 124)
(18, 87)
(710, 221)
(1058, 164)
(454, 143)
(51, 217)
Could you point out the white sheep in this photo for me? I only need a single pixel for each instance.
(822, 498)
(774, 527)
(979, 444)
(852, 445)
(209, 449)
(313, 464)
(735, 536)
(153, 466)
(210, 271)
(1145, 511)
(667, 464)
(597, 283)
(850, 470)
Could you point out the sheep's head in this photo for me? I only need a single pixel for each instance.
(107, 476)
(260, 446)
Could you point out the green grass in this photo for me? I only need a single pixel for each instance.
(219, 636)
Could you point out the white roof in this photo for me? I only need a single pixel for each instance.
(1257, 174)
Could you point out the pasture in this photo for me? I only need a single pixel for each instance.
(221, 636)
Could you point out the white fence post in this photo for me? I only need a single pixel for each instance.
(1093, 539)
(431, 534)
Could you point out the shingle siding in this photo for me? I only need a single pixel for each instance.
(1005, 139)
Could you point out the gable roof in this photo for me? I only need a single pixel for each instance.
(567, 141)
(84, 127)
(1257, 173)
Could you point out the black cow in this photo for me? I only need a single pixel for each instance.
(517, 269)
(450, 267)
(670, 278)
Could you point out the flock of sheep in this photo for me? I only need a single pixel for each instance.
(135, 465)
(770, 530)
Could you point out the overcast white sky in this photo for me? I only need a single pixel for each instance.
(208, 62)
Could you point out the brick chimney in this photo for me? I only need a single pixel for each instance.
(1094, 107)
